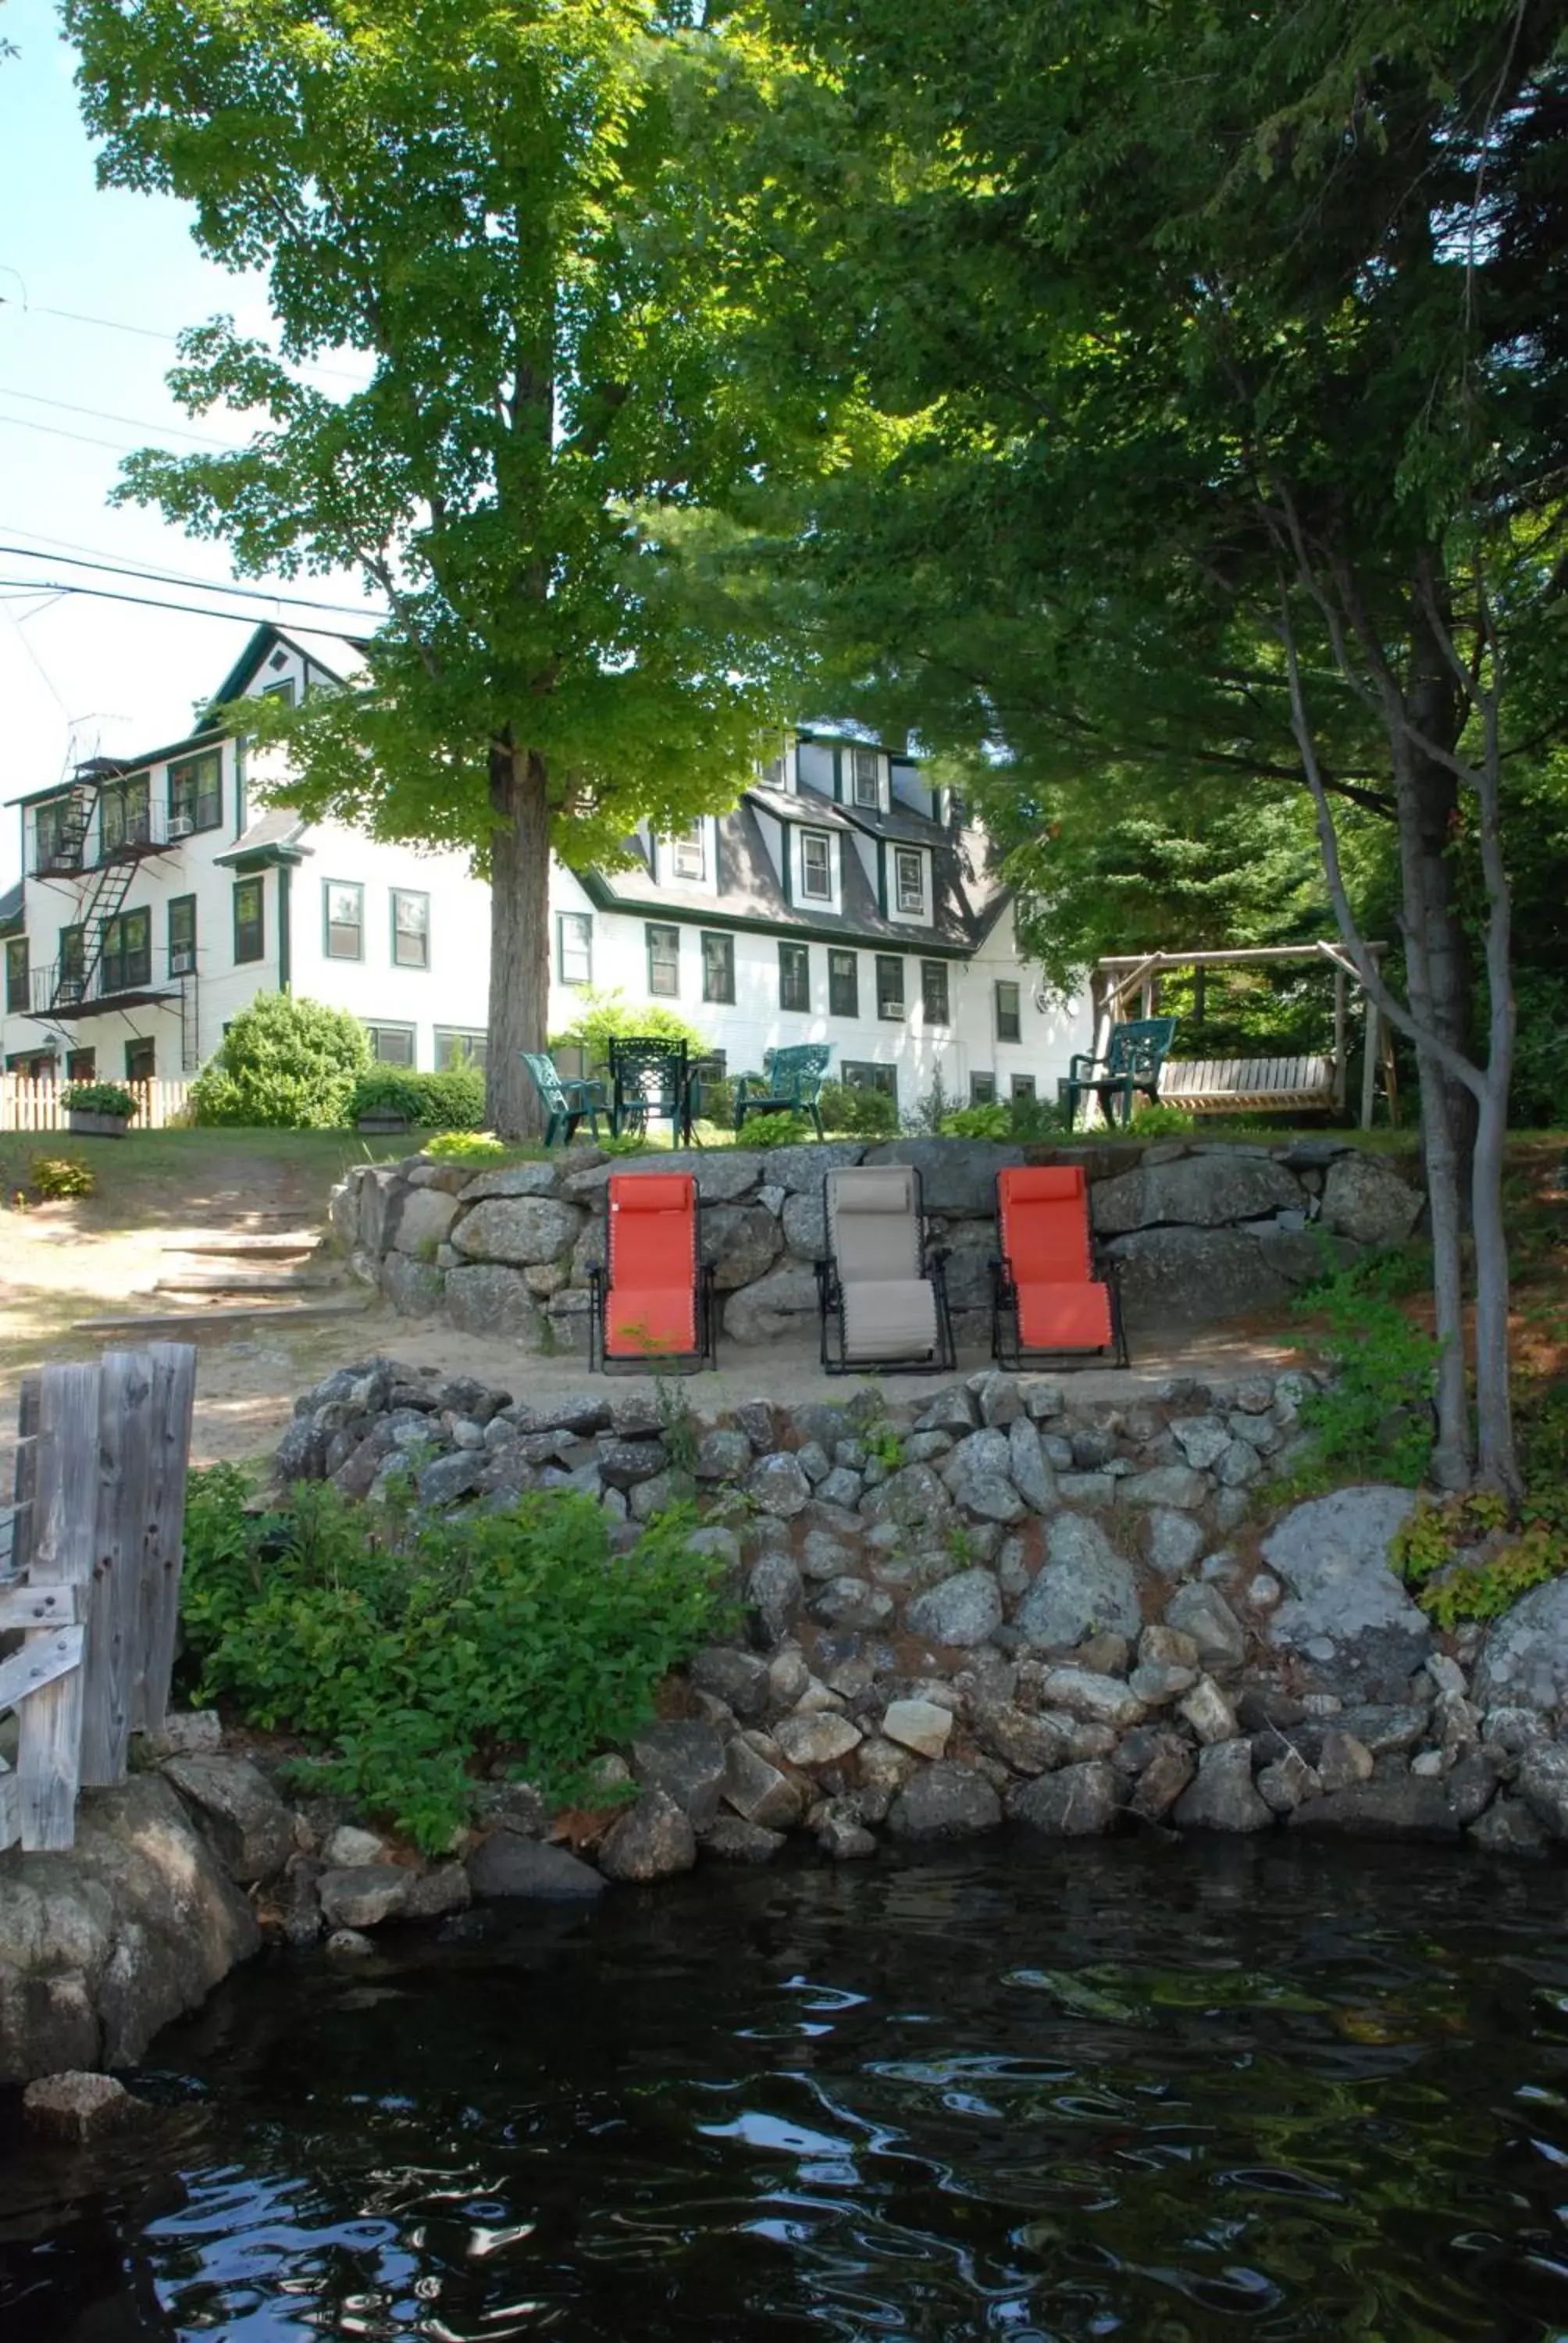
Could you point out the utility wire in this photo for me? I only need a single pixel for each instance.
(150, 602)
(206, 586)
(159, 334)
(134, 422)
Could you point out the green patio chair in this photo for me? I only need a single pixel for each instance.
(1132, 1061)
(566, 1102)
(792, 1084)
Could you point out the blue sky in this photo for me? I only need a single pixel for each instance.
(79, 676)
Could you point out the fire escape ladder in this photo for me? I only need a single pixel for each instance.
(111, 885)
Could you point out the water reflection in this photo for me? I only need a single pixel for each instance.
(1019, 2094)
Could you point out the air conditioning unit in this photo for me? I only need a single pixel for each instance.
(180, 825)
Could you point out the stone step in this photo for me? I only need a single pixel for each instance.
(183, 1323)
(245, 1281)
(242, 1248)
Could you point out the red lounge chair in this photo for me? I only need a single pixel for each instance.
(1052, 1300)
(653, 1300)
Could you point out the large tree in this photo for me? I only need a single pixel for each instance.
(1227, 351)
(493, 208)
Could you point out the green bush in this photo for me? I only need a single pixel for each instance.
(601, 1016)
(776, 1130)
(1375, 1421)
(452, 1100)
(416, 1652)
(62, 1176)
(992, 1120)
(858, 1113)
(1019, 1119)
(285, 1064)
(98, 1098)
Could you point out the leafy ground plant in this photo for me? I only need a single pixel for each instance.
(417, 1653)
(1375, 1421)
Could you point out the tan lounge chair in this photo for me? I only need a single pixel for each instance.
(881, 1289)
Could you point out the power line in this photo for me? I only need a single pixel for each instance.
(206, 586)
(150, 602)
(159, 334)
(57, 432)
(105, 415)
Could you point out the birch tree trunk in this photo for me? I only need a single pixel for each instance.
(519, 936)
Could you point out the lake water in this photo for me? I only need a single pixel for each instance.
(1166, 2093)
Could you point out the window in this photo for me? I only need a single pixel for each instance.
(196, 793)
(410, 929)
(73, 963)
(18, 983)
(574, 947)
(890, 986)
(342, 919)
(391, 1045)
(794, 976)
(866, 777)
(718, 968)
(1022, 1086)
(982, 1089)
(49, 848)
(776, 771)
(249, 925)
(1007, 1013)
(126, 953)
(38, 1065)
(125, 816)
(459, 1045)
(182, 936)
(871, 1078)
(816, 865)
(141, 1061)
(282, 690)
(843, 984)
(909, 880)
(81, 1065)
(690, 851)
(934, 991)
(664, 962)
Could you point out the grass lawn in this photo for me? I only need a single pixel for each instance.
(169, 1178)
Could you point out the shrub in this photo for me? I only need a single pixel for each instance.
(382, 1093)
(98, 1098)
(776, 1130)
(1375, 1421)
(603, 1015)
(1161, 1121)
(452, 1100)
(285, 1064)
(858, 1113)
(55, 1176)
(415, 1651)
(992, 1120)
(1018, 1118)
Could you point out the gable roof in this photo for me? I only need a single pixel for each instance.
(338, 657)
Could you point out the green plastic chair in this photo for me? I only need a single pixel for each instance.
(566, 1103)
(1132, 1062)
(793, 1085)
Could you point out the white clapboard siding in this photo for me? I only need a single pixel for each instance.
(1229, 1085)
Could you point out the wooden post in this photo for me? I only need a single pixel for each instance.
(64, 1509)
(22, 1474)
(174, 1389)
(123, 1489)
(1369, 1065)
(1341, 1014)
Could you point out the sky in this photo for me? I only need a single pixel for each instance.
(80, 677)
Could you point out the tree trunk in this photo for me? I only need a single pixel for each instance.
(519, 937)
(1497, 1463)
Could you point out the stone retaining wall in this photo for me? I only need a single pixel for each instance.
(1202, 1232)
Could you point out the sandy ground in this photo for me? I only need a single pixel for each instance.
(55, 1271)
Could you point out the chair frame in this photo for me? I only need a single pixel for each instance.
(830, 1305)
(1134, 1058)
(1012, 1355)
(577, 1099)
(686, 1362)
(788, 1101)
(634, 1108)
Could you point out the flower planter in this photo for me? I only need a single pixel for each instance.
(82, 1124)
(383, 1126)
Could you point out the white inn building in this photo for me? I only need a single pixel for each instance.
(841, 900)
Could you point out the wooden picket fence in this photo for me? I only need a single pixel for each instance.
(90, 1577)
(28, 1102)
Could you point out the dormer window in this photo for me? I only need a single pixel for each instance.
(776, 771)
(909, 882)
(816, 865)
(866, 779)
(689, 847)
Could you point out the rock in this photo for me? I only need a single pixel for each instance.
(431, 1895)
(1208, 1713)
(778, 1486)
(1032, 1475)
(76, 2108)
(1080, 1802)
(190, 1733)
(1342, 1761)
(758, 1791)
(852, 1602)
(958, 1176)
(581, 1413)
(506, 1865)
(685, 1760)
(731, 1840)
(512, 1180)
(1025, 1743)
(348, 1846)
(782, 1302)
(1103, 1655)
(1345, 1610)
(1084, 1587)
(1097, 1489)
(741, 1241)
(1384, 1728)
(447, 1480)
(103, 1945)
(824, 1556)
(945, 1801)
(653, 1840)
(845, 1840)
(841, 1487)
(777, 1593)
(1162, 1783)
(1222, 1796)
(1523, 1661)
(350, 1945)
(423, 1220)
(1000, 1401)
(1196, 1193)
(1239, 1464)
(1365, 1199)
(250, 1828)
(917, 1724)
(1543, 1784)
(815, 1738)
(913, 1498)
(951, 1411)
(1173, 1542)
(1202, 1440)
(486, 1298)
(1202, 1614)
(740, 1679)
(1098, 1700)
(516, 1230)
(1167, 1647)
(1397, 1805)
(1195, 1275)
(364, 1895)
(1508, 1828)
(622, 1464)
(723, 1456)
(963, 1610)
(1512, 1730)
(1472, 1783)
(1288, 1782)
(1174, 1486)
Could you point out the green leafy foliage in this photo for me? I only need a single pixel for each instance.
(604, 1017)
(1018, 1119)
(98, 1098)
(855, 1111)
(285, 1064)
(1467, 1561)
(56, 1176)
(416, 1652)
(1375, 1421)
(1161, 1122)
(776, 1130)
(450, 1101)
